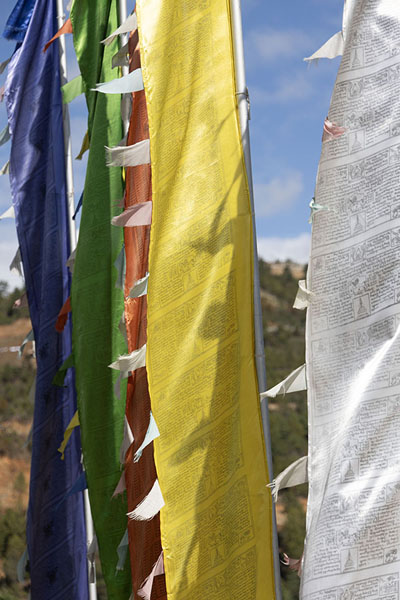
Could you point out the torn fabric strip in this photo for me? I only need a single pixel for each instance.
(295, 382)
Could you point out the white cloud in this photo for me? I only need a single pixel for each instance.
(296, 249)
(289, 88)
(271, 45)
(7, 253)
(279, 194)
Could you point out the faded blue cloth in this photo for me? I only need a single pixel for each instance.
(56, 538)
(18, 21)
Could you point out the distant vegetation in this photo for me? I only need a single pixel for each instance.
(9, 314)
(284, 337)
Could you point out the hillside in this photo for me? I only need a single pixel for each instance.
(284, 337)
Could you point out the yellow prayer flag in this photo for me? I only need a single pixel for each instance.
(216, 525)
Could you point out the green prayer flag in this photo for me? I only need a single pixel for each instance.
(96, 303)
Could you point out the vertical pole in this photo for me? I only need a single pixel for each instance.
(67, 132)
(243, 106)
(72, 236)
(123, 39)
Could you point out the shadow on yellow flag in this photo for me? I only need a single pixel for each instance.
(216, 524)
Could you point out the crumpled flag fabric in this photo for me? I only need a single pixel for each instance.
(210, 455)
(96, 303)
(18, 21)
(56, 541)
(144, 536)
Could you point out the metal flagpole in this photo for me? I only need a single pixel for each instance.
(244, 116)
(123, 39)
(72, 238)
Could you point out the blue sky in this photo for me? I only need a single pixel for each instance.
(289, 101)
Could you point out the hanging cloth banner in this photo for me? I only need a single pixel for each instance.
(216, 524)
(56, 539)
(140, 476)
(96, 303)
(352, 332)
(133, 82)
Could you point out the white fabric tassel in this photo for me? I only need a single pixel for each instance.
(16, 264)
(139, 288)
(303, 297)
(130, 362)
(294, 474)
(130, 24)
(126, 442)
(295, 382)
(331, 49)
(121, 58)
(8, 214)
(150, 506)
(129, 156)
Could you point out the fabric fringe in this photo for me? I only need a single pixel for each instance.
(295, 382)
(150, 506)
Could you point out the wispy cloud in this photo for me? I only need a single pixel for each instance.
(288, 89)
(279, 194)
(296, 249)
(271, 45)
(7, 253)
